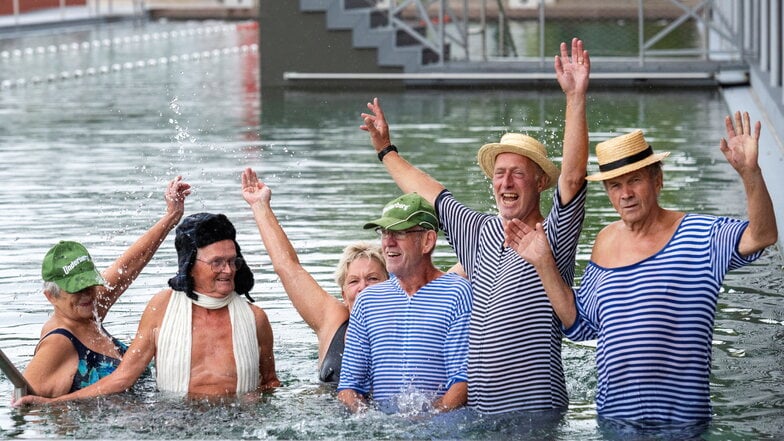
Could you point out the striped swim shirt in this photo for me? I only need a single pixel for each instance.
(654, 323)
(397, 343)
(514, 360)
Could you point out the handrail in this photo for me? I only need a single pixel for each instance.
(438, 24)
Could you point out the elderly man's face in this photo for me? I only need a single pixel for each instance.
(634, 194)
(214, 269)
(405, 253)
(517, 182)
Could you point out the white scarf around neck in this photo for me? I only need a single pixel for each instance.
(173, 357)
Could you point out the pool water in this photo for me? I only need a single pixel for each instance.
(94, 121)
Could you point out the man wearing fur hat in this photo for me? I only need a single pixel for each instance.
(207, 339)
(650, 291)
(514, 361)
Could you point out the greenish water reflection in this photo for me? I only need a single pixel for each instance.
(616, 38)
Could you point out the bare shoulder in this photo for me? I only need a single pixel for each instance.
(55, 347)
(161, 298)
(156, 306)
(259, 314)
(605, 240)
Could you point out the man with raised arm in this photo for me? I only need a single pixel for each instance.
(514, 361)
(654, 278)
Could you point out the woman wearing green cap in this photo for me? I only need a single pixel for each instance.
(75, 350)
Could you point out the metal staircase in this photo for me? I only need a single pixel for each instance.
(373, 25)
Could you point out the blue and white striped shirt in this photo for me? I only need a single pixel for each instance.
(654, 323)
(396, 342)
(514, 359)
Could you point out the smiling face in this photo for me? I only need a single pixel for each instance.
(405, 255)
(517, 183)
(211, 283)
(361, 273)
(635, 195)
(75, 306)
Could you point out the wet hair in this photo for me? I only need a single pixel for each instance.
(356, 251)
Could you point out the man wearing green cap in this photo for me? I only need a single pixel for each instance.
(408, 334)
(514, 361)
(75, 350)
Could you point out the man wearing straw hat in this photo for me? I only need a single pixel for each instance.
(649, 293)
(514, 361)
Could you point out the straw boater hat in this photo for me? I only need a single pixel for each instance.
(624, 154)
(522, 145)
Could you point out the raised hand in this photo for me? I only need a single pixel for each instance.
(253, 190)
(741, 147)
(530, 243)
(175, 195)
(573, 72)
(376, 124)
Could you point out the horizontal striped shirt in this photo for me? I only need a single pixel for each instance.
(399, 343)
(654, 322)
(514, 359)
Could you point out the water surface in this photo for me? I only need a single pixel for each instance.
(86, 157)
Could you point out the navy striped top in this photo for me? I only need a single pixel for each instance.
(514, 359)
(399, 343)
(654, 323)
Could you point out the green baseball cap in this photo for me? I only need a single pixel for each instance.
(69, 265)
(405, 212)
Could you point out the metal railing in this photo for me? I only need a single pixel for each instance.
(465, 27)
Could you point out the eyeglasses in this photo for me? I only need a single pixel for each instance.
(397, 235)
(217, 265)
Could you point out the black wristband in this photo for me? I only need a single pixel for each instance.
(385, 150)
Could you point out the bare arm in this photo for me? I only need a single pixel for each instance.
(133, 364)
(268, 379)
(51, 371)
(741, 148)
(455, 397)
(322, 312)
(531, 244)
(406, 176)
(130, 264)
(573, 74)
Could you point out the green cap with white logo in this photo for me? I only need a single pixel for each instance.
(405, 212)
(69, 265)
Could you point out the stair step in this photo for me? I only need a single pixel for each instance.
(370, 28)
(352, 4)
(314, 5)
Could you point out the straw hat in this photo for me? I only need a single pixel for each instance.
(522, 145)
(624, 154)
